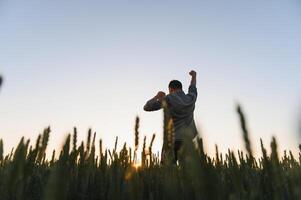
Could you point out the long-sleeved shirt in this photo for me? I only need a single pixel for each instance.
(181, 107)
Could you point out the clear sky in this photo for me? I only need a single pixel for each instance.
(95, 63)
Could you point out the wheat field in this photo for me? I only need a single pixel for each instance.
(80, 171)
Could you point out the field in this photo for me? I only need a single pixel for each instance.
(80, 171)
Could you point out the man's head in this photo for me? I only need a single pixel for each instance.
(174, 86)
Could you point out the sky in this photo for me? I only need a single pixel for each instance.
(94, 64)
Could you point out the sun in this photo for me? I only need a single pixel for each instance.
(136, 165)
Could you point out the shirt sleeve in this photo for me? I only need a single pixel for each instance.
(152, 105)
(192, 91)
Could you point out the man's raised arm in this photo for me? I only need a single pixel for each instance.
(155, 103)
(192, 73)
(192, 88)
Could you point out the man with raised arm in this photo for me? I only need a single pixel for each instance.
(180, 106)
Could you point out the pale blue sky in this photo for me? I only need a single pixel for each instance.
(95, 63)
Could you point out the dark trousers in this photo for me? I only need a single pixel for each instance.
(177, 147)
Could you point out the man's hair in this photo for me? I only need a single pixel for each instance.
(175, 84)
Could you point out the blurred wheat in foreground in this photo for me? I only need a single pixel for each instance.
(83, 172)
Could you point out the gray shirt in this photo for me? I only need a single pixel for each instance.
(181, 107)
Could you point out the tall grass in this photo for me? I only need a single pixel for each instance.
(82, 172)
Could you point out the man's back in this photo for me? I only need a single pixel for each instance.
(181, 107)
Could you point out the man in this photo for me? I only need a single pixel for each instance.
(181, 107)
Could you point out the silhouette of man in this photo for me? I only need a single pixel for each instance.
(180, 106)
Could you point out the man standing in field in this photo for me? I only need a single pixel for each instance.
(181, 107)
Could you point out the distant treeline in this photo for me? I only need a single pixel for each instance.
(1, 80)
